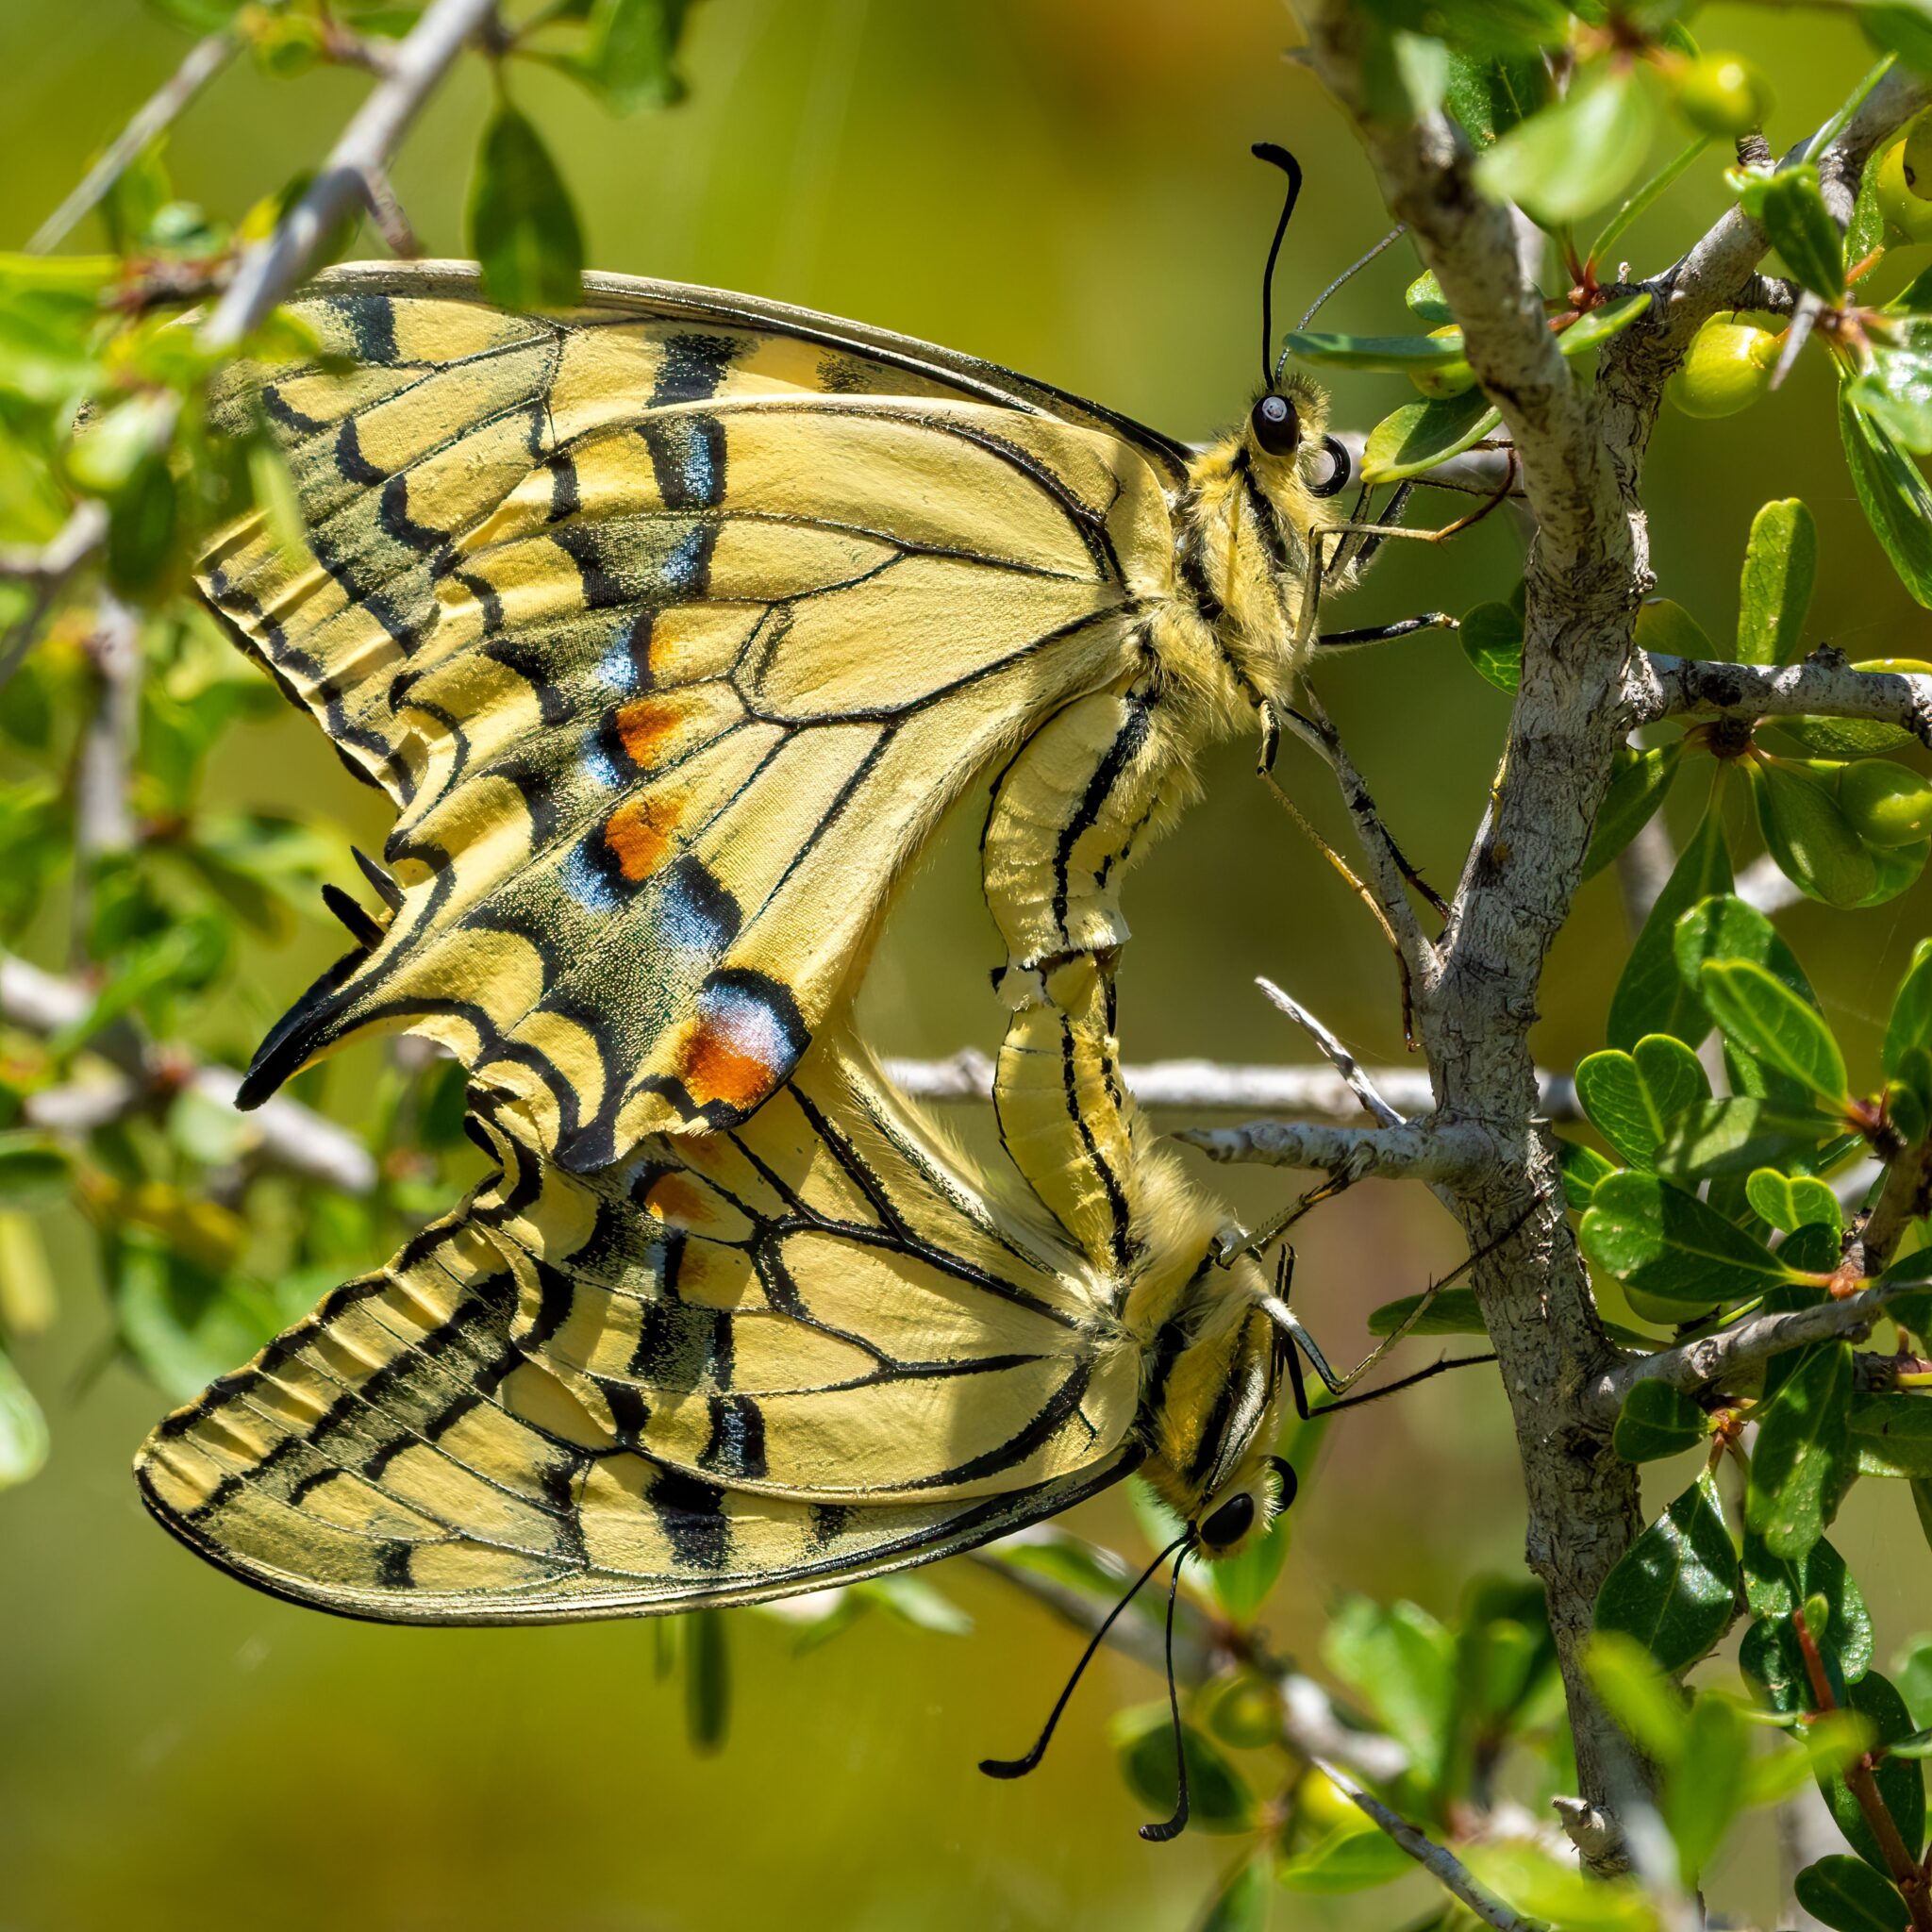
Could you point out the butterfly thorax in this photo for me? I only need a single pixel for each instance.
(1241, 546)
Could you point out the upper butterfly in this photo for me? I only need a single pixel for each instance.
(674, 625)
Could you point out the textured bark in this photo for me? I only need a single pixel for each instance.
(1582, 447)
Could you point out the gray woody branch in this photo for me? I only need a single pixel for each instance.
(286, 1134)
(1823, 683)
(1211, 1086)
(1712, 1360)
(1582, 447)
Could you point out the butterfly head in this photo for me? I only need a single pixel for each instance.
(1287, 443)
(1244, 1509)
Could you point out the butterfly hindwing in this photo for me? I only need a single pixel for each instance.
(740, 1365)
(673, 629)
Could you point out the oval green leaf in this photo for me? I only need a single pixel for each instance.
(1656, 1421)
(1674, 1589)
(1895, 496)
(1759, 1013)
(1775, 590)
(1807, 836)
(1640, 782)
(1845, 1893)
(1668, 1244)
(1577, 154)
(1421, 434)
(1803, 1460)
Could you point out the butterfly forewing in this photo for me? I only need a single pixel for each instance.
(673, 632)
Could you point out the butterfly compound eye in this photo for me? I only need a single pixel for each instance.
(1277, 427)
(1229, 1523)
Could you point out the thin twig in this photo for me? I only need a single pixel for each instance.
(1712, 1361)
(1440, 1862)
(273, 267)
(1417, 1151)
(287, 1134)
(1823, 685)
(1335, 1054)
(103, 764)
(46, 569)
(199, 66)
(1211, 1086)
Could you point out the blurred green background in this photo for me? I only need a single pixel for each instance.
(1064, 186)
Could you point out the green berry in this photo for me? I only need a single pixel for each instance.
(1887, 804)
(1898, 196)
(1728, 368)
(1723, 94)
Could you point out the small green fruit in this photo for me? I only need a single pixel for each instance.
(1441, 384)
(1898, 197)
(1723, 94)
(1887, 804)
(1727, 370)
(1245, 1712)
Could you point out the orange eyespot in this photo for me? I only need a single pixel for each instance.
(1276, 425)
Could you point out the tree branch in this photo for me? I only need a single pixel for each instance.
(287, 1134)
(199, 66)
(1440, 1862)
(1213, 1086)
(1416, 1151)
(273, 267)
(1656, 685)
(1712, 1360)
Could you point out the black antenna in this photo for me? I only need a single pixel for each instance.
(1281, 158)
(1159, 1834)
(1019, 1767)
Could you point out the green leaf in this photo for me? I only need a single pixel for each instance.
(707, 1681)
(1674, 1589)
(1490, 96)
(1667, 628)
(35, 1172)
(1668, 1244)
(1651, 996)
(1541, 1886)
(1774, 591)
(1656, 1421)
(1438, 355)
(183, 1322)
(1347, 1859)
(1492, 638)
(1901, 1781)
(1143, 1739)
(1401, 1662)
(1804, 1458)
(1582, 1169)
(1639, 782)
(1891, 1435)
(1705, 1789)
(1424, 299)
(1421, 434)
(1893, 495)
(1242, 1904)
(1485, 27)
(1789, 1202)
(1910, 1021)
(1730, 1137)
(1775, 1587)
(1631, 1099)
(1899, 27)
(1576, 154)
(1792, 206)
(1453, 1311)
(630, 55)
(1912, 1667)
(1645, 198)
(523, 226)
(1896, 390)
(23, 1429)
(1809, 838)
(1762, 1015)
(1846, 1895)
(1651, 1709)
(1599, 324)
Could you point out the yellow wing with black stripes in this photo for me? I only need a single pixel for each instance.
(737, 1365)
(673, 625)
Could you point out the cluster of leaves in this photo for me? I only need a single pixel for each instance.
(110, 673)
